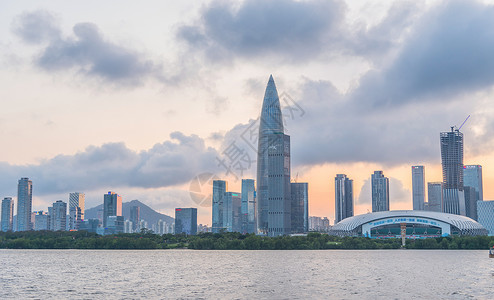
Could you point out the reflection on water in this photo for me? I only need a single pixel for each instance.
(388, 274)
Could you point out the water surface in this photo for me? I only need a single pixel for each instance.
(316, 274)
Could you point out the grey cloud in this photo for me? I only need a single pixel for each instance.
(36, 27)
(296, 30)
(114, 165)
(449, 53)
(292, 31)
(87, 52)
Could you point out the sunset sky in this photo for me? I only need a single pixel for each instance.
(139, 98)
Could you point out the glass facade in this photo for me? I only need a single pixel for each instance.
(186, 221)
(59, 217)
(418, 187)
(248, 210)
(7, 214)
(485, 213)
(380, 192)
(112, 206)
(135, 218)
(219, 190)
(343, 189)
(24, 204)
(273, 168)
(435, 196)
(300, 207)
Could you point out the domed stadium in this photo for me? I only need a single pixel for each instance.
(419, 224)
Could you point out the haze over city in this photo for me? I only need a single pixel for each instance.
(144, 101)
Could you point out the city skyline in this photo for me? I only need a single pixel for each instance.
(360, 106)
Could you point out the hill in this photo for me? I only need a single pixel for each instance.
(147, 213)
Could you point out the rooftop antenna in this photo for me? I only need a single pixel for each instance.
(463, 123)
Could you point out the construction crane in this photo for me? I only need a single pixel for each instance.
(463, 123)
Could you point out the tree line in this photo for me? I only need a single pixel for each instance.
(224, 241)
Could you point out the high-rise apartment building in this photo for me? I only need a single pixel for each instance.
(300, 207)
(112, 206)
(380, 192)
(343, 196)
(248, 210)
(452, 165)
(273, 168)
(7, 214)
(135, 217)
(76, 209)
(41, 221)
(219, 190)
(24, 204)
(59, 217)
(186, 221)
(418, 187)
(435, 196)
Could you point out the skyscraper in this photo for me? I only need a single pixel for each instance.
(186, 221)
(248, 213)
(472, 177)
(24, 204)
(76, 209)
(7, 214)
(59, 217)
(435, 196)
(485, 212)
(219, 190)
(42, 221)
(452, 165)
(135, 217)
(300, 207)
(343, 197)
(273, 168)
(112, 206)
(380, 192)
(232, 203)
(418, 187)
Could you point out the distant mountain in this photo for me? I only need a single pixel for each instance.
(147, 213)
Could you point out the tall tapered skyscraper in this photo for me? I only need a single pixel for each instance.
(452, 165)
(273, 168)
(24, 204)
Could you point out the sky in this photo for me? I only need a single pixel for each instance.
(152, 100)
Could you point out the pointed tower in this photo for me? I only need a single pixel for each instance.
(273, 168)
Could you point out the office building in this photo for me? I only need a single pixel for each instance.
(300, 207)
(114, 225)
(452, 166)
(112, 206)
(418, 187)
(485, 214)
(472, 177)
(7, 214)
(41, 221)
(231, 212)
(24, 204)
(59, 217)
(135, 217)
(219, 190)
(248, 213)
(435, 196)
(273, 168)
(380, 192)
(343, 196)
(186, 221)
